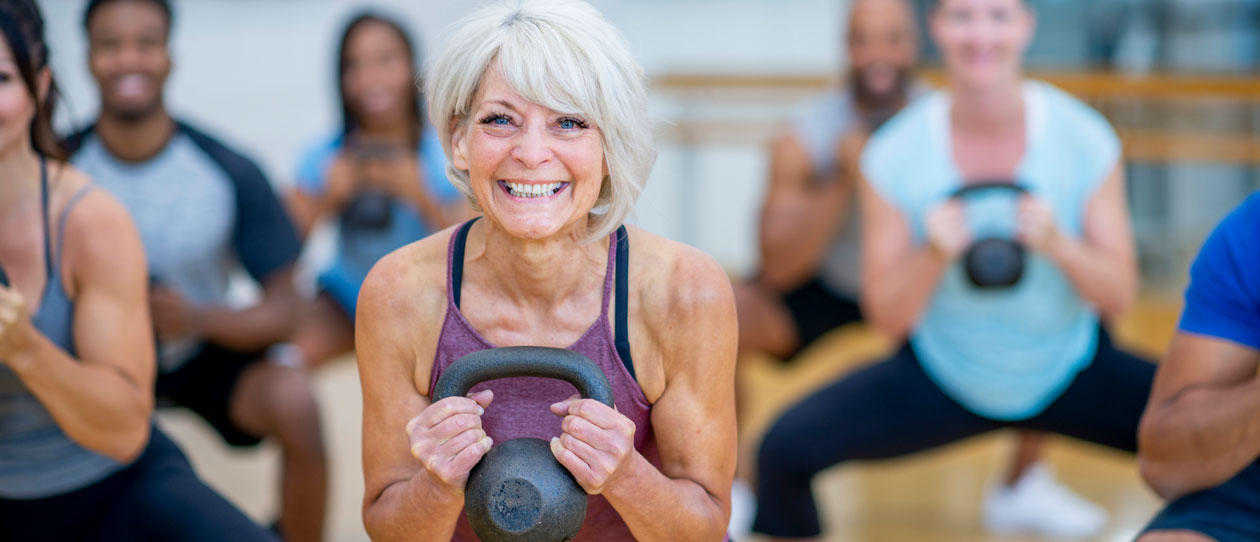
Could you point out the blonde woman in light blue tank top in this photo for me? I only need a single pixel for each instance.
(1030, 356)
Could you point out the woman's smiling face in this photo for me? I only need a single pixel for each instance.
(535, 172)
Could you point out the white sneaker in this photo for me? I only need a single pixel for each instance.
(743, 506)
(1039, 504)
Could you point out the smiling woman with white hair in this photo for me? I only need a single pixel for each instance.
(542, 113)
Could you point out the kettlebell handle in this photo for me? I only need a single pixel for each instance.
(987, 185)
(517, 361)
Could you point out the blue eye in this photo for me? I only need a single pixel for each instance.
(568, 124)
(496, 119)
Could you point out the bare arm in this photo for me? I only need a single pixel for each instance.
(269, 321)
(1102, 264)
(693, 420)
(416, 455)
(800, 216)
(899, 276)
(1202, 422)
(103, 401)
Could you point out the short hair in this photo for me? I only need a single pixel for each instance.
(563, 55)
(95, 5)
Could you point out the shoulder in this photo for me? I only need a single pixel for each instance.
(99, 232)
(240, 168)
(1223, 298)
(1237, 237)
(96, 207)
(1078, 121)
(677, 283)
(911, 128)
(409, 278)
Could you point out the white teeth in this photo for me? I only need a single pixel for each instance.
(532, 190)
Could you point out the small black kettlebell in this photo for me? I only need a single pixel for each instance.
(370, 209)
(993, 262)
(518, 492)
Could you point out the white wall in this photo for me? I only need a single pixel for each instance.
(260, 74)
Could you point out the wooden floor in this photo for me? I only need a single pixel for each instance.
(929, 497)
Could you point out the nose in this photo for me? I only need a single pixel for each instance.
(532, 147)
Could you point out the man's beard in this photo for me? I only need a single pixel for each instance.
(876, 107)
(134, 114)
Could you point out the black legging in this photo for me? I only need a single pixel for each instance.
(158, 497)
(892, 408)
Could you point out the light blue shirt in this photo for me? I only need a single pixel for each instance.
(1004, 354)
(358, 249)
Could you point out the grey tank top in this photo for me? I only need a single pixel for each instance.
(37, 459)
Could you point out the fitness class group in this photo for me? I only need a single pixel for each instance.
(535, 367)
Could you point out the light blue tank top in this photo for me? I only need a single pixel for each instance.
(1004, 354)
(37, 459)
(358, 249)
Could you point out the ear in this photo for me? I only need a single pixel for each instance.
(459, 144)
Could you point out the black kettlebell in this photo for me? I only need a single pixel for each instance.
(518, 492)
(370, 209)
(4, 279)
(993, 262)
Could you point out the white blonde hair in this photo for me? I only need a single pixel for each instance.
(565, 56)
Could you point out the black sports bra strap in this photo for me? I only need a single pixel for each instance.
(621, 334)
(457, 259)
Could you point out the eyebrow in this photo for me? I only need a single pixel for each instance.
(503, 103)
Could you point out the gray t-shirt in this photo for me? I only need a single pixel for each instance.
(203, 211)
(819, 127)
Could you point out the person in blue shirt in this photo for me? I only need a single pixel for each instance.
(381, 180)
(1032, 355)
(1199, 445)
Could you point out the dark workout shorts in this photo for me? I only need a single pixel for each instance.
(1229, 512)
(204, 385)
(816, 310)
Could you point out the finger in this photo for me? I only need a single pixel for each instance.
(592, 456)
(455, 425)
(452, 446)
(441, 410)
(580, 470)
(598, 413)
(483, 398)
(609, 440)
(468, 457)
(412, 424)
(561, 408)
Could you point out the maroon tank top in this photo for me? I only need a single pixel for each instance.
(521, 405)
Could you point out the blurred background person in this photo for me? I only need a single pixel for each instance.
(1030, 356)
(810, 274)
(203, 211)
(1177, 78)
(381, 180)
(79, 456)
